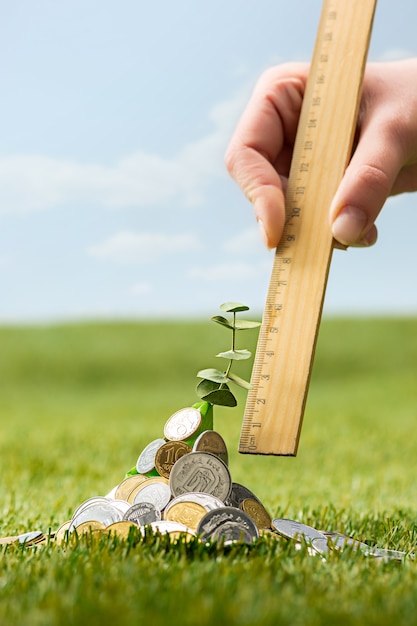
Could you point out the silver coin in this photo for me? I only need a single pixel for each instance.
(208, 501)
(146, 460)
(122, 505)
(229, 525)
(382, 553)
(340, 541)
(142, 513)
(89, 502)
(167, 526)
(182, 424)
(212, 441)
(202, 472)
(239, 493)
(103, 512)
(293, 529)
(158, 494)
(29, 537)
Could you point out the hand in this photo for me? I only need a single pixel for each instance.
(384, 161)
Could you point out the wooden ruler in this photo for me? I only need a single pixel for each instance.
(284, 357)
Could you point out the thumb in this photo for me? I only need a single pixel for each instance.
(364, 188)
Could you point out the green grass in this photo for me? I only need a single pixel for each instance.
(79, 402)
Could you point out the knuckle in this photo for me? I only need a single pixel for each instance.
(375, 178)
(230, 159)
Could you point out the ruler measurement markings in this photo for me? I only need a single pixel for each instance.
(275, 321)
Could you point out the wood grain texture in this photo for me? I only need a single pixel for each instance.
(287, 339)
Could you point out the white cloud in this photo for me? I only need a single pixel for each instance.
(30, 182)
(129, 247)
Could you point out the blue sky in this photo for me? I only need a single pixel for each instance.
(114, 200)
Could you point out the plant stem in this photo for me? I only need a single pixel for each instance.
(233, 343)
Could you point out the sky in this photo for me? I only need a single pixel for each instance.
(114, 199)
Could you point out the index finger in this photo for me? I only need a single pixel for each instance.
(259, 154)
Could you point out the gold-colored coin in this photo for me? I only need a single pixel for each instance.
(267, 532)
(127, 485)
(92, 526)
(121, 529)
(187, 513)
(148, 481)
(60, 534)
(175, 535)
(168, 454)
(211, 441)
(257, 512)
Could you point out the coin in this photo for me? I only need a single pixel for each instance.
(149, 481)
(142, 513)
(166, 526)
(89, 502)
(127, 485)
(62, 532)
(168, 454)
(121, 529)
(229, 525)
(206, 500)
(31, 537)
(203, 472)
(293, 529)
(146, 460)
(212, 441)
(182, 424)
(340, 541)
(238, 493)
(257, 512)
(158, 494)
(97, 511)
(91, 526)
(122, 505)
(187, 513)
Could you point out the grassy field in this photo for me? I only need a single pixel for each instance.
(79, 402)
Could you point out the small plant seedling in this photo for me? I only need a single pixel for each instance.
(214, 386)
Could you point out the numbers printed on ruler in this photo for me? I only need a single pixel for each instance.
(275, 404)
(289, 236)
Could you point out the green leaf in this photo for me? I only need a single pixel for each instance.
(223, 397)
(233, 307)
(131, 472)
(235, 355)
(206, 386)
(219, 319)
(212, 374)
(239, 381)
(246, 324)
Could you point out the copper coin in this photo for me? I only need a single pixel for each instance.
(212, 441)
(168, 454)
(257, 512)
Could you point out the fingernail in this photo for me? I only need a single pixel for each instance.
(349, 225)
(262, 232)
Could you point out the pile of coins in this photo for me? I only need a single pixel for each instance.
(182, 486)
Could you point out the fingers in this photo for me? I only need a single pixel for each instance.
(385, 160)
(259, 154)
(367, 182)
